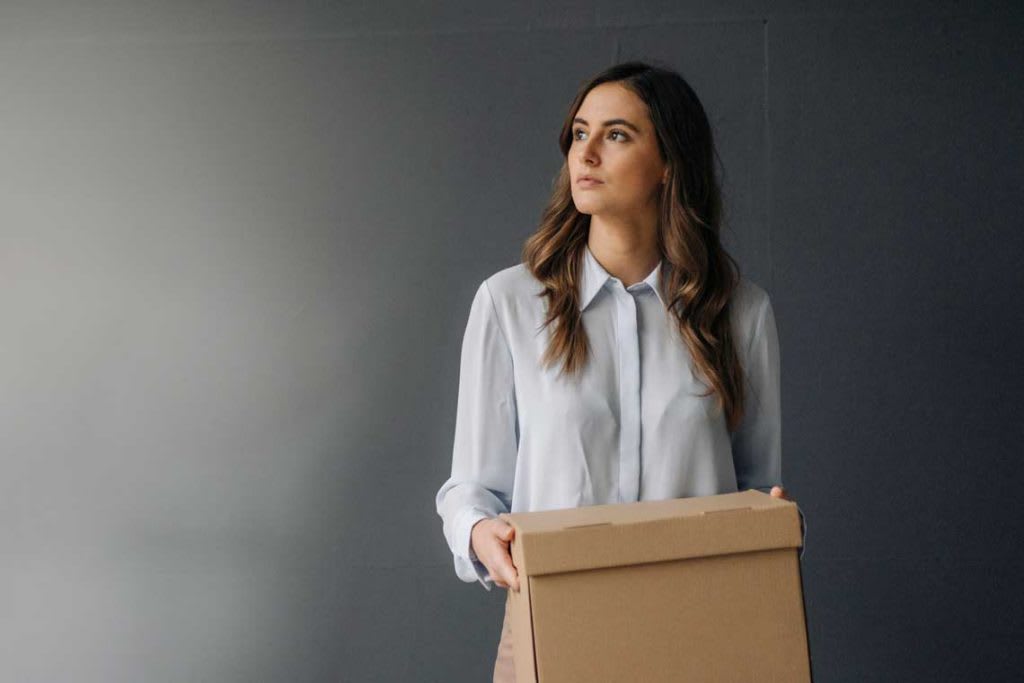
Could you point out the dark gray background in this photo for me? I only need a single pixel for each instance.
(238, 243)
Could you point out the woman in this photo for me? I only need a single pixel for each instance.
(625, 359)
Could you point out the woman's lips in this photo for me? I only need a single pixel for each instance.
(588, 182)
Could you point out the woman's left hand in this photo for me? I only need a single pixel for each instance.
(779, 492)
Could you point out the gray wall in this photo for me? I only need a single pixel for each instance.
(238, 243)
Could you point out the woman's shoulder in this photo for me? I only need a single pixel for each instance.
(749, 295)
(750, 301)
(513, 284)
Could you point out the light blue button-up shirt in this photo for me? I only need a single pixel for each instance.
(633, 426)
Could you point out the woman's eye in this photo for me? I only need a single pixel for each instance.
(577, 131)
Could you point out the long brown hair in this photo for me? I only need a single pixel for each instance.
(698, 276)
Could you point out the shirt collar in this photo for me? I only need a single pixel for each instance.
(595, 277)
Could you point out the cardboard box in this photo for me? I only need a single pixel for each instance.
(689, 589)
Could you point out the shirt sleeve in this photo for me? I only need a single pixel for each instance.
(757, 443)
(486, 441)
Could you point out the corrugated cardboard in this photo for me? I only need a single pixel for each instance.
(688, 589)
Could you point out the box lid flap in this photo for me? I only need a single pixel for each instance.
(595, 536)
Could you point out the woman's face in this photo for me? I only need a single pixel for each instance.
(613, 140)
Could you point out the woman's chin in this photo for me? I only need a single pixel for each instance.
(588, 207)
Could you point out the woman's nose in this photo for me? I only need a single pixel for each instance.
(588, 155)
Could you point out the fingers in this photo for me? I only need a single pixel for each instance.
(502, 569)
(508, 570)
(509, 574)
(496, 537)
(506, 579)
(779, 492)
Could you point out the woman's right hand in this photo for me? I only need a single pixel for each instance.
(490, 538)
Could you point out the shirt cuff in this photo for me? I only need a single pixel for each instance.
(472, 567)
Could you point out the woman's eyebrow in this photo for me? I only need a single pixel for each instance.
(610, 122)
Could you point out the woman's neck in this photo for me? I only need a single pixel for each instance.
(627, 251)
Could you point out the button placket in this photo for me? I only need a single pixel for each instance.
(629, 395)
